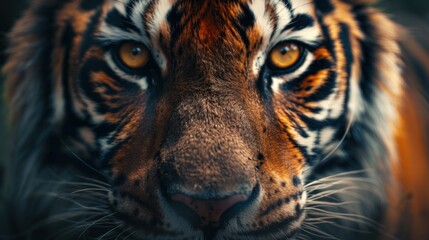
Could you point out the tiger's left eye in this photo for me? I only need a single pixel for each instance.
(133, 55)
(285, 56)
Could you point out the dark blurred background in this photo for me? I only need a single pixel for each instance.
(11, 10)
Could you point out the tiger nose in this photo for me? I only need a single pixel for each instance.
(209, 211)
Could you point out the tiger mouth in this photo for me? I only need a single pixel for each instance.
(214, 226)
(285, 228)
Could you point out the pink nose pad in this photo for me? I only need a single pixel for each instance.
(209, 211)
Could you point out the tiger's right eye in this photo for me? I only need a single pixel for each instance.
(286, 56)
(133, 55)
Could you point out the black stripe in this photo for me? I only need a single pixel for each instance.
(314, 124)
(96, 65)
(104, 129)
(296, 125)
(348, 54)
(369, 50)
(313, 69)
(177, 20)
(265, 83)
(88, 37)
(299, 22)
(288, 5)
(245, 20)
(302, 149)
(88, 5)
(347, 47)
(115, 19)
(324, 6)
(303, 105)
(325, 90)
(174, 17)
(329, 43)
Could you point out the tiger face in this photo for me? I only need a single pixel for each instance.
(209, 119)
(208, 115)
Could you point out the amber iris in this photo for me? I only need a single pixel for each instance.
(133, 55)
(285, 55)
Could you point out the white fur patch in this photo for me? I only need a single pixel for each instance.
(137, 15)
(309, 35)
(301, 7)
(326, 135)
(162, 9)
(120, 6)
(110, 34)
(283, 14)
(262, 22)
(309, 141)
(160, 16)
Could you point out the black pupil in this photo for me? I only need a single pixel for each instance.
(136, 51)
(284, 50)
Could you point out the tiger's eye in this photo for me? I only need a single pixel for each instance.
(285, 55)
(133, 55)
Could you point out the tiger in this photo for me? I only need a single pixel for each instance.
(221, 119)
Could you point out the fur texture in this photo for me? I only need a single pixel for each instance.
(99, 152)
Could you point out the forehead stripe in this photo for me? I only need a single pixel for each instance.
(174, 19)
(116, 19)
(136, 12)
(299, 22)
(87, 38)
(246, 20)
(327, 36)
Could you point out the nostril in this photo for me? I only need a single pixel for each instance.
(209, 211)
